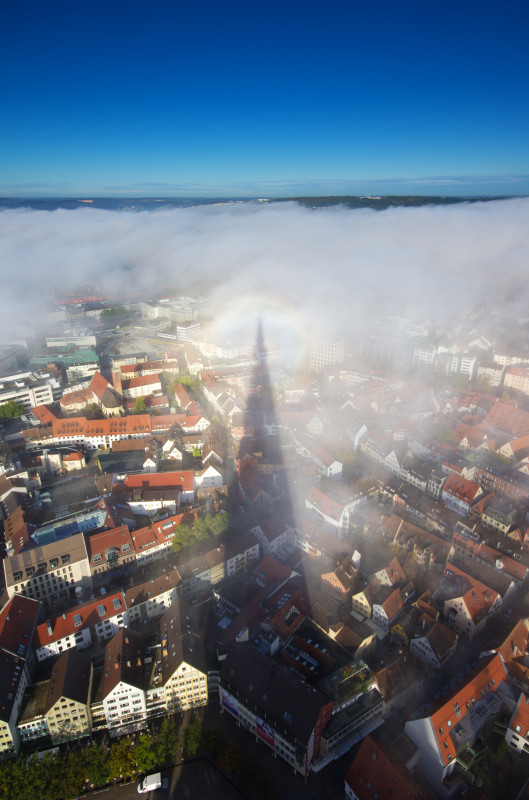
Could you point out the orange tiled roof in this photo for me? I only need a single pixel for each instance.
(478, 597)
(75, 398)
(161, 480)
(141, 380)
(520, 719)
(376, 773)
(461, 488)
(324, 504)
(485, 678)
(44, 414)
(95, 611)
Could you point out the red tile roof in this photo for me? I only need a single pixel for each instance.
(98, 543)
(141, 380)
(44, 414)
(77, 456)
(124, 661)
(392, 604)
(478, 597)
(461, 488)
(328, 507)
(161, 480)
(159, 532)
(90, 613)
(77, 398)
(17, 624)
(486, 677)
(376, 773)
(508, 418)
(520, 719)
(99, 384)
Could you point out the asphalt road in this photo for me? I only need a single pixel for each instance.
(195, 780)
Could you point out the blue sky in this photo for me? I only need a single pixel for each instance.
(171, 98)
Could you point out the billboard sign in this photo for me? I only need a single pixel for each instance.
(230, 703)
(265, 732)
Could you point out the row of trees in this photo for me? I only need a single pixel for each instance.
(200, 530)
(57, 775)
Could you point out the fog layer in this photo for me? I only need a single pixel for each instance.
(338, 264)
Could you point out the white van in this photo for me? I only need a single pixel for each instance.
(152, 782)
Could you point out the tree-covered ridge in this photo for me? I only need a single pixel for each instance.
(380, 203)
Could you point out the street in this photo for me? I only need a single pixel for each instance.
(198, 780)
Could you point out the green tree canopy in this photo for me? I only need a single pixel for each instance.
(167, 743)
(192, 738)
(11, 409)
(144, 753)
(219, 523)
(121, 760)
(139, 406)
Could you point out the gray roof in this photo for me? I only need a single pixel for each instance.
(70, 678)
(73, 548)
(274, 691)
(181, 640)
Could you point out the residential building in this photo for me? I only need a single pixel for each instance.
(376, 772)
(124, 681)
(111, 553)
(184, 669)
(274, 705)
(460, 494)
(50, 573)
(457, 721)
(275, 537)
(340, 582)
(67, 711)
(434, 644)
(468, 603)
(18, 620)
(517, 378)
(88, 625)
(517, 735)
(326, 351)
(30, 389)
(151, 598)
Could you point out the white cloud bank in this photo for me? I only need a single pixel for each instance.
(349, 265)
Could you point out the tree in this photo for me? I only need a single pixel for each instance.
(230, 757)
(8, 780)
(74, 778)
(96, 765)
(139, 406)
(166, 744)
(200, 529)
(121, 760)
(144, 753)
(219, 523)
(11, 409)
(182, 536)
(214, 741)
(114, 314)
(92, 411)
(192, 738)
